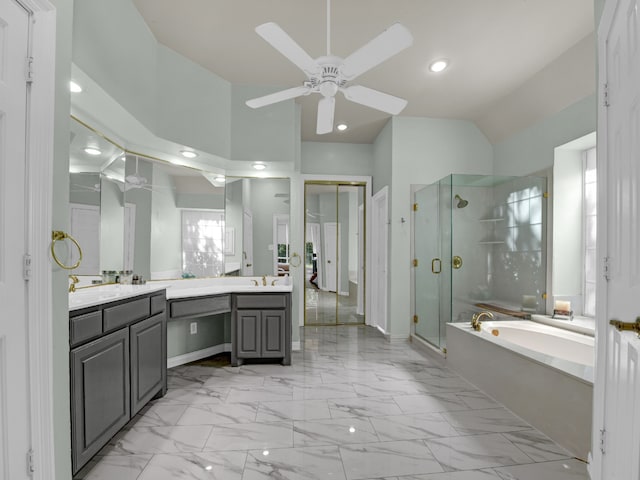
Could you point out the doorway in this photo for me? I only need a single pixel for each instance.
(334, 253)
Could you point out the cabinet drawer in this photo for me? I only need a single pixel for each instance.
(85, 327)
(261, 301)
(158, 304)
(126, 313)
(200, 306)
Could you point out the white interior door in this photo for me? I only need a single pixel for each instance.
(617, 388)
(247, 243)
(379, 253)
(331, 242)
(84, 225)
(14, 373)
(360, 300)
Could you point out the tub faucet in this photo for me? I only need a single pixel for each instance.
(72, 286)
(475, 320)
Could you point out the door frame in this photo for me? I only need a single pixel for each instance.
(595, 466)
(39, 159)
(299, 235)
(380, 244)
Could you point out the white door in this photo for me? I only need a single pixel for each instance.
(84, 226)
(360, 304)
(247, 243)
(14, 373)
(379, 253)
(331, 245)
(617, 388)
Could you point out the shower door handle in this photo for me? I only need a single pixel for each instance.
(433, 266)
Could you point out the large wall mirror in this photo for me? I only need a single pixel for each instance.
(257, 215)
(137, 214)
(96, 201)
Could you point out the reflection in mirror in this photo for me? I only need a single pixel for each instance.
(257, 226)
(334, 254)
(96, 170)
(574, 226)
(175, 220)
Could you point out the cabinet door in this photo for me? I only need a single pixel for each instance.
(99, 393)
(148, 362)
(248, 333)
(273, 333)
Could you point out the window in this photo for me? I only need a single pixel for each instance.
(202, 243)
(590, 231)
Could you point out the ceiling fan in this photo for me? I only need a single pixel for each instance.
(329, 74)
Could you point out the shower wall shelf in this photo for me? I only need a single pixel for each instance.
(491, 242)
(491, 219)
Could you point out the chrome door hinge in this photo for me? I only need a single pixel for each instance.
(605, 95)
(603, 433)
(30, 73)
(606, 268)
(31, 464)
(26, 266)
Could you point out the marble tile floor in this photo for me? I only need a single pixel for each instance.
(351, 406)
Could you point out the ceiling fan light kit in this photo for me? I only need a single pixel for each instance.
(327, 75)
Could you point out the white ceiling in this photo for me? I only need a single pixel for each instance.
(495, 48)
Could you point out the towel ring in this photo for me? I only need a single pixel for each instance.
(60, 235)
(297, 264)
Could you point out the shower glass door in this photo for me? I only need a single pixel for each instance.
(428, 271)
(334, 253)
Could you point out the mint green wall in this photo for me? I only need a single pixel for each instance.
(265, 134)
(531, 150)
(194, 105)
(382, 153)
(60, 221)
(424, 150)
(212, 330)
(113, 45)
(326, 158)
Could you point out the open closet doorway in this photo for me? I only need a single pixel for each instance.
(334, 253)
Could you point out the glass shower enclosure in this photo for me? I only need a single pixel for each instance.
(479, 243)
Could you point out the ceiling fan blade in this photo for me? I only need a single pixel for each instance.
(281, 41)
(326, 109)
(390, 42)
(374, 99)
(278, 97)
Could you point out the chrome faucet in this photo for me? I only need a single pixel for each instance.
(72, 286)
(475, 320)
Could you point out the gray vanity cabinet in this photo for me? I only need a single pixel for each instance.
(118, 363)
(261, 327)
(99, 394)
(148, 364)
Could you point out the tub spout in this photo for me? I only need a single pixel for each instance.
(475, 320)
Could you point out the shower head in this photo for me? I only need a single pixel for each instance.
(461, 202)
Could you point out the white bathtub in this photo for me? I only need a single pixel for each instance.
(543, 374)
(569, 351)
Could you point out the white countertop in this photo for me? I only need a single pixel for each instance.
(187, 288)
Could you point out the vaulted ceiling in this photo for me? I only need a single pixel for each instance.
(511, 61)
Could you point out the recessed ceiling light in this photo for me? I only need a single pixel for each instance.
(219, 178)
(342, 127)
(259, 166)
(92, 151)
(188, 153)
(438, 66)
(74, 87)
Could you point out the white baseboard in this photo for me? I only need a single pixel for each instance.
(295, 346)
(396, 338)
(197, 355)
